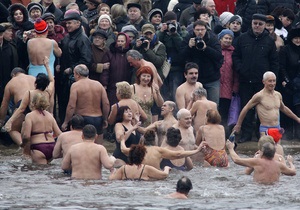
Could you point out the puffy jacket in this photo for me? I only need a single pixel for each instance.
(254, 55)
(209, 60)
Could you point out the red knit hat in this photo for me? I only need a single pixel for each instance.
(40, 26)
(275, 133)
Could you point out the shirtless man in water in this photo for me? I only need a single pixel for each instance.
(266, 169)
(184, 91)
(16, 89)
(39, 47)
(86, 159)
(199, 105)
(87, 98)
(69, 138)
(162, 126)
(268, 102)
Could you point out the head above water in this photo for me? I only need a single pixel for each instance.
(136, 155)
(184, 185)
(89, 132)
(77, 122)
(268, 150)
(263, 140)
(173, 137)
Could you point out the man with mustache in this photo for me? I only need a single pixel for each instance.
(184, 91)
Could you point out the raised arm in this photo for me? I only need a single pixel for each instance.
(169, 154)
(157, 96)
(125, 150)
(289, 171)
(154, 173)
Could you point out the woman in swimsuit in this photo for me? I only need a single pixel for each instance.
(145, 92)
(214, 135)
(135, 170)
(125, 130)
(38, 129)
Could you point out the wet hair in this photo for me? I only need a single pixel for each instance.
(42, 81)
(213, 116)
(202, 10)
(264, 139)
(189, 66)
(199, 23)
(118, 10)
(144, 70)
(40, 102)
(180, 112)
(136, 55)
(268, 150)
(82, 70)
(200, 92)
(123, 88)
(77, 122)
(173, 137)
(136, 154)
(89, 131)
(267, 75)
(184, 185)
(149, 138)
(120, 113)
(17, 70)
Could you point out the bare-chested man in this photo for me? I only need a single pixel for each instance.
(16, 89)
(87, 98)
(199, 105)
(69, 138)
(156, 154)
(86, 159)
(162, 126)
(40, 47)
(184, 91)
(266, 169)
(135, 59)
(184, 124)
(268, 103)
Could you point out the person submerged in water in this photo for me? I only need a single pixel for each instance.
(135, 170)
(183, 187)
(267, 170)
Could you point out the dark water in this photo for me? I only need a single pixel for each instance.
(26, 186)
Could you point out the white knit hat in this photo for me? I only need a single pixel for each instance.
(225, 17)
(104, 16)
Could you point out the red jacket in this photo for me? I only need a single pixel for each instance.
(225, 5)
(229, 79)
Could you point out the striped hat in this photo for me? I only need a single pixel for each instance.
(40, 26)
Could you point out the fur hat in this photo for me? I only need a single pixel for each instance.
(34, 5)
(170, 15)
(224, 32)
(153, 12)
(134, 5)
(104, 16)
(225, 17)
(12, 10)
(40, 26)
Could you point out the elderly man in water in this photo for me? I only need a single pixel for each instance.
(266, 169)
(183, 187)
(86, 159)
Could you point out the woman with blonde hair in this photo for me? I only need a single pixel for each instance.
(38, 129)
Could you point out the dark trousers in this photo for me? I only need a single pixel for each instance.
(246, 91)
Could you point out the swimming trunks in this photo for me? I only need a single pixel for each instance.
(264, 128)
(95, 121)
(34, 70)
(45, 148)
(167, 162)
(139, 179)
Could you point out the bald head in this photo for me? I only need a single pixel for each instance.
(82, 70)
(182, 113)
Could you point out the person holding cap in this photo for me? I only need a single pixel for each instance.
(229, 79)
(76, 48)
(134, 15)
(250, 71)
(35, 10)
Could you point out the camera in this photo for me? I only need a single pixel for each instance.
(144, 44)
(171, 27)
(199, 43)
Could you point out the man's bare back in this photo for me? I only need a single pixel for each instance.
(65, 141)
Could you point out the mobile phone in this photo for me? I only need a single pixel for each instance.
(232, 137)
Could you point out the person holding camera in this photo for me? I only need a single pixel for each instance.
(170, 35)
(203, 48)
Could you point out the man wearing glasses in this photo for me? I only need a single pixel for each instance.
(254, 54)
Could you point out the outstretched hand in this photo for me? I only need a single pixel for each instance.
(229, 144)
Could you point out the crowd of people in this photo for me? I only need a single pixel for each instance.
(120, 70)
